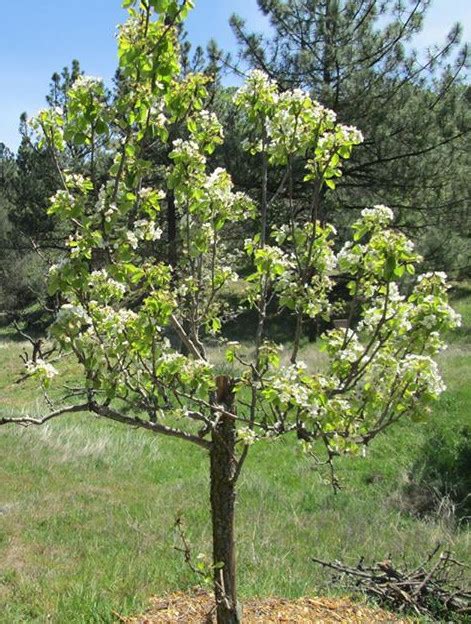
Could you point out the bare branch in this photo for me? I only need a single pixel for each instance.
(185, 338)
(26, 421)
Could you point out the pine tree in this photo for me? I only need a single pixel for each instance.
(357, 58)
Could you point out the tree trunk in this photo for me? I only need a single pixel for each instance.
(223, 466)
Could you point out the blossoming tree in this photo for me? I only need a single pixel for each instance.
(138, 326)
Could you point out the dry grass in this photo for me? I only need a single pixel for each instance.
(197, 607)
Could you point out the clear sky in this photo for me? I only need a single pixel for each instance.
(39, 37)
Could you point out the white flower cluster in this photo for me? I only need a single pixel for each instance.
(274, 257)
(209, 124)
(429, 321)
(226, 273)
(132, 239)
(146, 229)
(109, 211)
(246, 435)
(290, 391)
(332, 140)
(394, 294)
(438, 276)
(45, 113)
(440, 312)
(430, 311)
(54, 269)
(219, 186)
(105, 288)
(87, 82)
(79, 245)
(300, 100)
(292, 119)
(326, 262)
(344, 344)
(41, 369)
(147, 192)
(130, 31)
(454, 318)
(111, 321)
(189, 151)
(397, 309)
(196, 368)
(349, 134)
(62, 200)
(257, 82)
(76, 181)
(435, 343)
(350, 255)
(72, 316)
(383, 369)
(379, 214)
(423, 370)
(157, 112)
(169, 357)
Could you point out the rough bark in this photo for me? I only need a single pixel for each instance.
(223, 467)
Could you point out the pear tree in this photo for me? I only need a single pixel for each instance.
(142, 330)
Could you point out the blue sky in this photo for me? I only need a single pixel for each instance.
(38, 37)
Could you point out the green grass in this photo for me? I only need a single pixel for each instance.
(87, 507)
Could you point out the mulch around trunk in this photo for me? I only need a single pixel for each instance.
(197, 607)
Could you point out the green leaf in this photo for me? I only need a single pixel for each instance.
(159, 5)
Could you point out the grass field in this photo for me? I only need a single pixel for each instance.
(87, 508)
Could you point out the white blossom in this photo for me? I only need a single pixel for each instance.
(132, 239)
(41, 368)
(246, 435)
(379, 214)
(86, 82)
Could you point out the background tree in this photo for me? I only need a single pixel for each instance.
(37, 176)
(35, 238)
(357, 58)
(61, 83)
(7, 177)
(22, 278)
(125, 306)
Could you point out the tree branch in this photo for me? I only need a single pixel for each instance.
(108, 412)
(185, 338)
(26, 421)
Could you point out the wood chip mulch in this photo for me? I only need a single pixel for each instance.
(197, 607)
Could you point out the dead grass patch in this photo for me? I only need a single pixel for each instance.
(197, 607)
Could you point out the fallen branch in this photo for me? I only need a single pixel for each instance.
(435, 588)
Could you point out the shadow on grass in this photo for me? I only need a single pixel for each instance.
(9, 334)
(460, 291)
(441, 475)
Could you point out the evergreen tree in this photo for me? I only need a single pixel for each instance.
(31, 238)
(357, 58)
(22, 275)
(61, 83)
